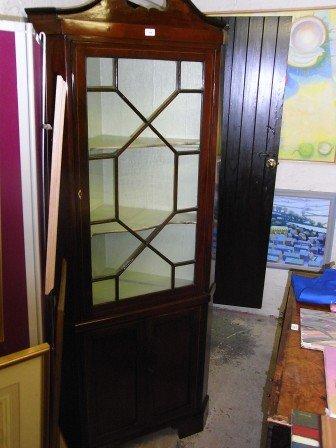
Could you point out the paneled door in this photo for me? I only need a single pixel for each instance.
(254, 80)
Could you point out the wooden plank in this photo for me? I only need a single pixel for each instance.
(23, 355)
(61, 90)
(298, 381)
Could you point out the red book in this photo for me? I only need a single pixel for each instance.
(304, 431)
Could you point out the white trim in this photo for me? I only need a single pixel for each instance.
(26, 106)
(241, 309)
(7, 25)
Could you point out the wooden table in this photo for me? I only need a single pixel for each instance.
(298, 380)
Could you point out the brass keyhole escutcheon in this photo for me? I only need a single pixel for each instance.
(271, 163)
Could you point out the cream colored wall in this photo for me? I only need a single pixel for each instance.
(234, 7)
(212, 7)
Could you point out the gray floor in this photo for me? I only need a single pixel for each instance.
(240, 356)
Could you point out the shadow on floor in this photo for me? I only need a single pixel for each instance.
(241, 354)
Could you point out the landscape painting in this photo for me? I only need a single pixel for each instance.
(309, 112)
(302, 230)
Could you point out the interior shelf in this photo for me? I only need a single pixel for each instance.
(135, 218)
(133, 284)
(102, 146)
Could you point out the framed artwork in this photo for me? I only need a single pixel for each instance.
(24, 389)
(302, 230)
(308, 130)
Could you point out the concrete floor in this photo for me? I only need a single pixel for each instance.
(241, 350)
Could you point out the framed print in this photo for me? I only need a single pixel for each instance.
(302, 230)
(24, 389)
(308, 131)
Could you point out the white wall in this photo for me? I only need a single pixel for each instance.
(15, 7)
(249, 6)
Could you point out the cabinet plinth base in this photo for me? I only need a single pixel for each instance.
(195, 423)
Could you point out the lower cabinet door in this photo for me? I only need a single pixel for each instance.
(114, 382)
(173, 364)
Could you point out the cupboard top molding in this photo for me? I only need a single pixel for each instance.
(179, 21)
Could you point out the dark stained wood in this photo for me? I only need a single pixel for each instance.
(114, 381)
(254, 79)
(172, 381)
(180, 19)
(278, 436)
(56, 363)
(298, 381)
(109, 394)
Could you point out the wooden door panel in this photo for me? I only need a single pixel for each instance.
(254, 80)
(114, 382)
(172, 363)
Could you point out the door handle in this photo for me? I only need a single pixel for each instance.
(272, 163)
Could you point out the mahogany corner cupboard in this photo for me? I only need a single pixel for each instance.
(136, 214)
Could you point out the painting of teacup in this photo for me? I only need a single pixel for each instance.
(307, 38)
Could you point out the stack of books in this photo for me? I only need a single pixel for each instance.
(312, 430)
(306, 430)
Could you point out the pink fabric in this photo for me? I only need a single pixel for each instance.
(330, 375)
(13, 255)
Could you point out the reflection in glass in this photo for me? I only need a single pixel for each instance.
(111, 122)
(184, 275)
(99, 72)
(103, 291)
(188, 181)
(102, 195)
(146, 185)
(146, 83)
(191, 75)
(180, 122)
(110, 251)
(182, 231)
(147, 274)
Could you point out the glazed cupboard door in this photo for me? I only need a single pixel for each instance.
(140, 145)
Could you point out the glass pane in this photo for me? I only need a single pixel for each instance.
(191, 75)
(181, 230)
(143, 197)
(102, 197)
(188, 182)
(103, 291)
(99, 72)
(109, 227)
(146, 83)
(111, 122)
(146, 183)
(180, 122)
(184, 275)
(110, 251)
(148, 273)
